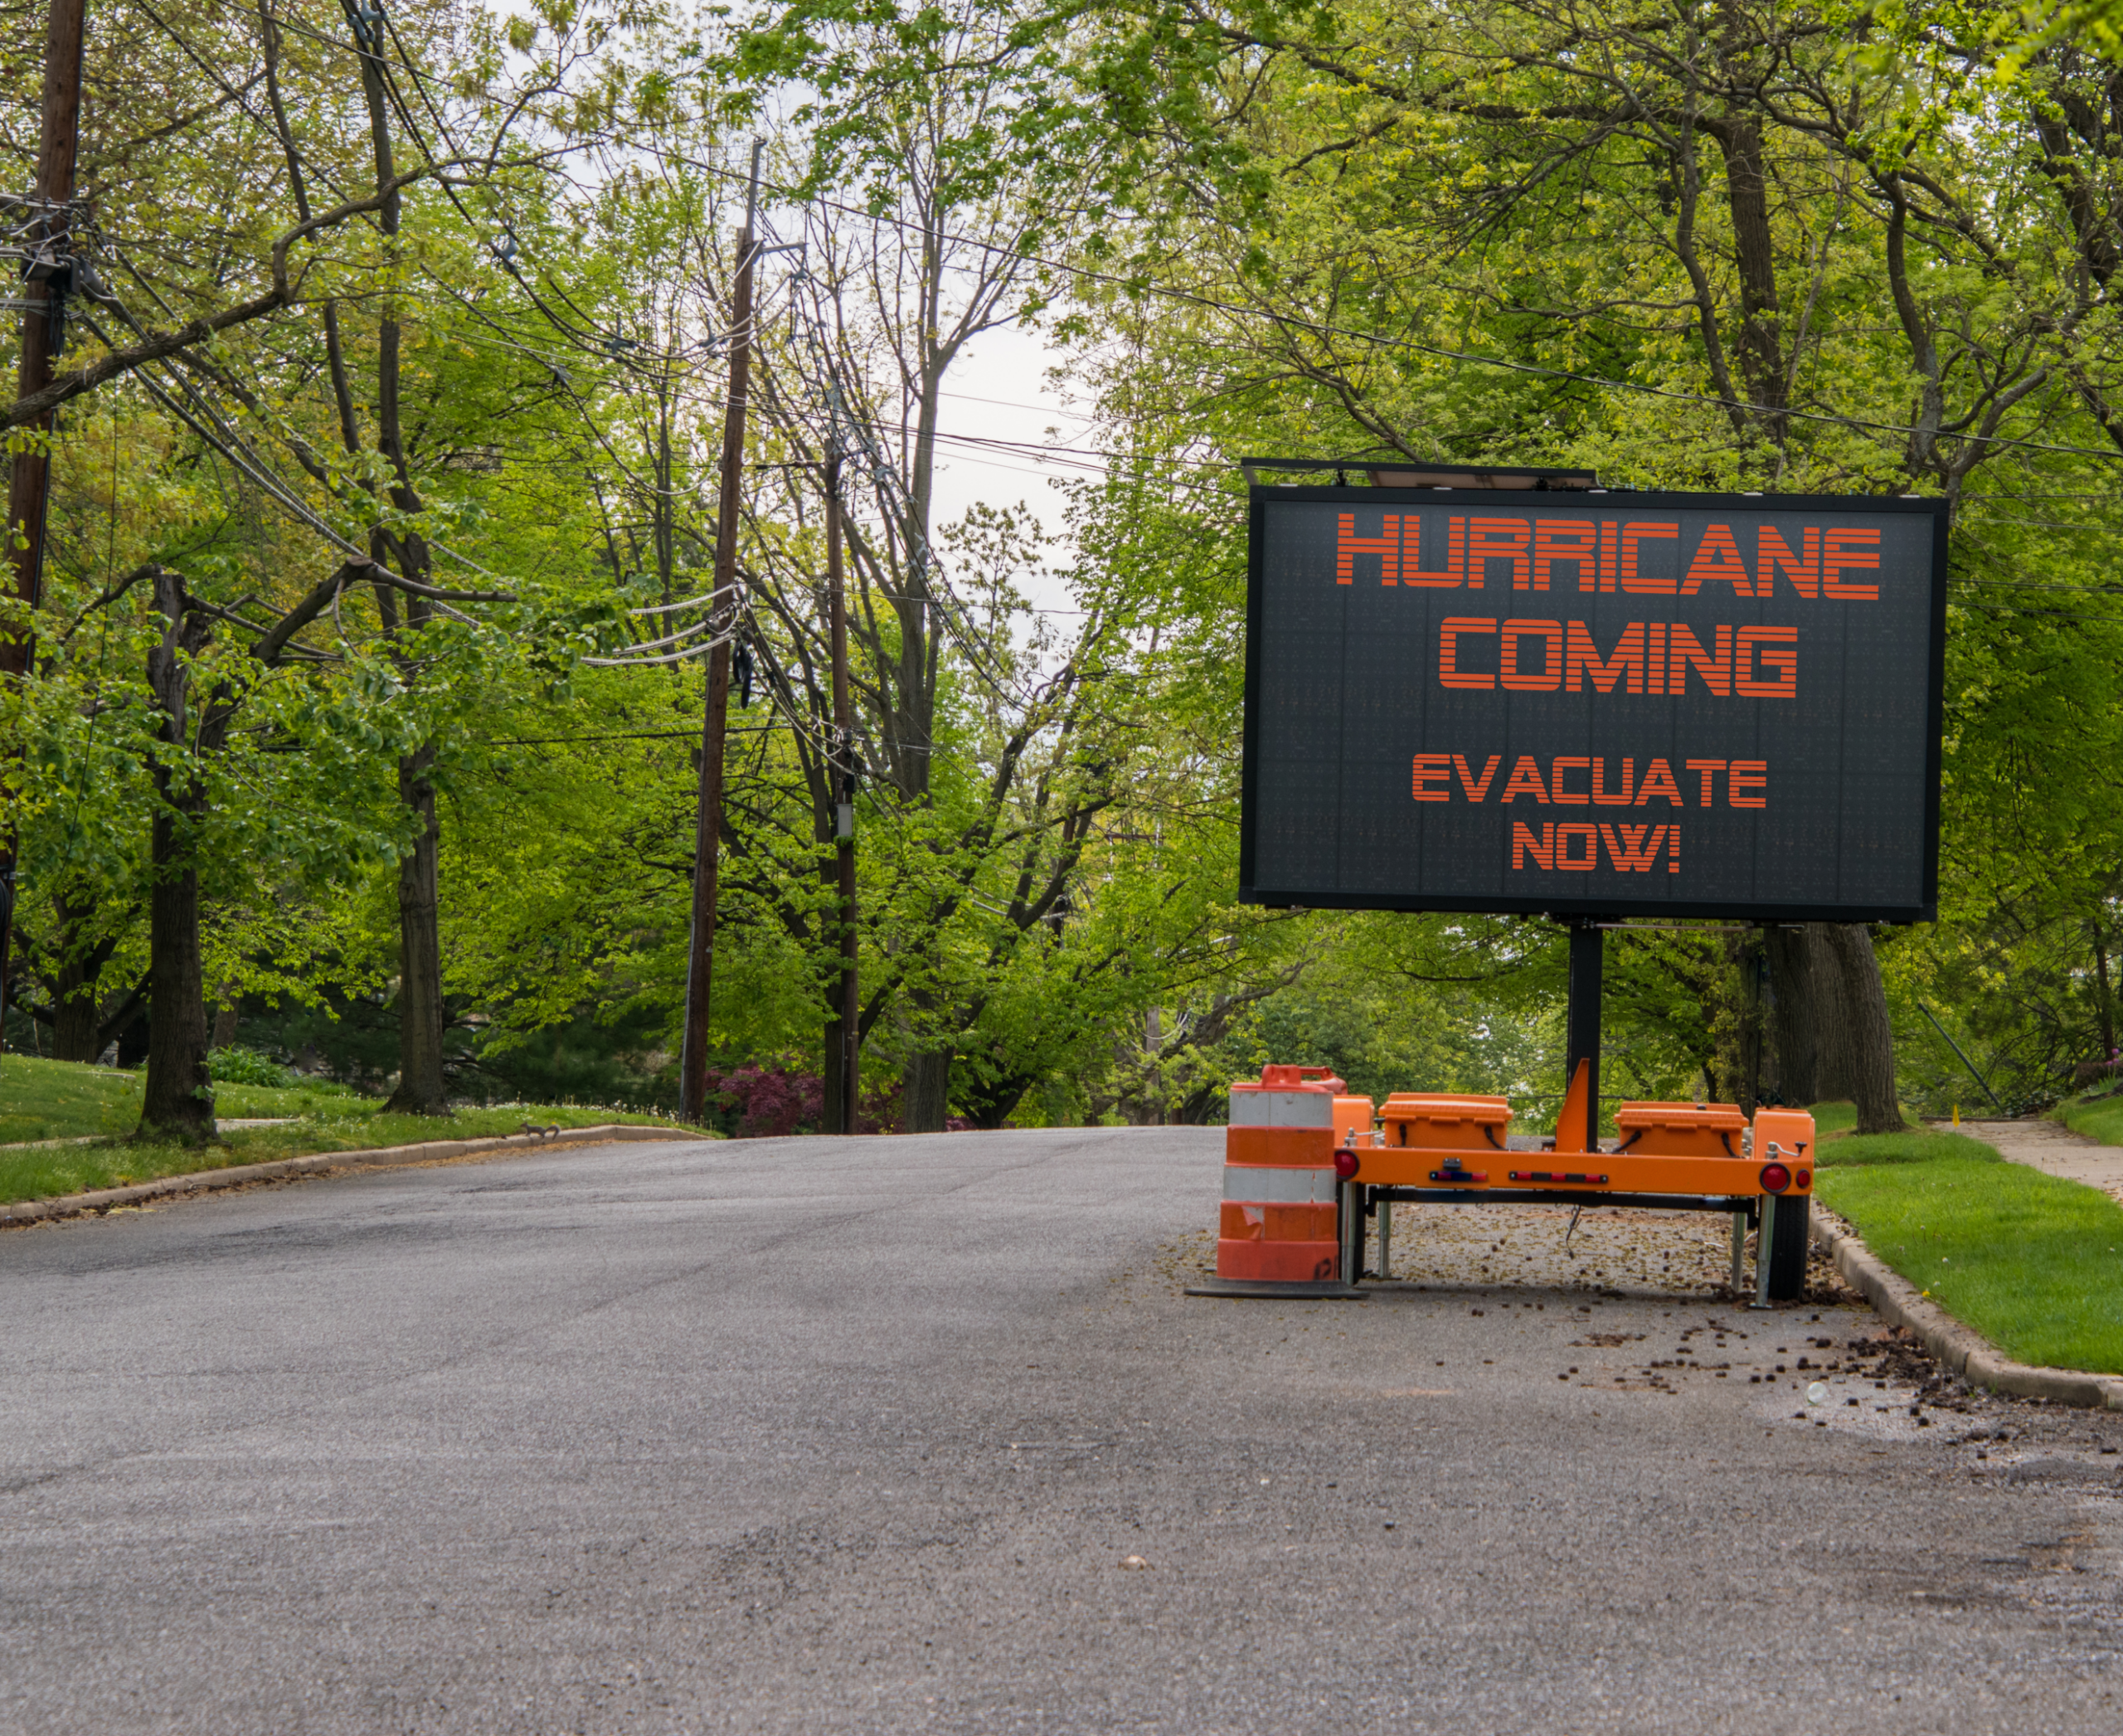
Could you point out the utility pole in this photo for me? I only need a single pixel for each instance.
(47, 275)
(707, 832)
(850, 1059)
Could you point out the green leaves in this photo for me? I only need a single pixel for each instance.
(1290, 228)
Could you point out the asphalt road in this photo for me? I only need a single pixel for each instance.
(813, 1436)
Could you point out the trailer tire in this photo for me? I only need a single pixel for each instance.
(1788, 1240)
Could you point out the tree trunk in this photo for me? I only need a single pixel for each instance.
(1870, 1037)
(994, 1103)
(224, 1017)
(1751, 1034)
(1830, 1019)
(420, 953)
(831, 1069)
(925, 1100)
(178, 1102)
(2107, 1002)
(1790, 1013)
(75, 1028)
(1760, 344)
(1828, 1010)
(419, 964)
(74, 1022)
(178, 1099)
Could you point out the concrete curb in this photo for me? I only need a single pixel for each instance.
(1966, 1353)
(208, 1181)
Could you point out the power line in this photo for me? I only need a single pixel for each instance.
(1073, 416)
(1136, 286)
(885, 479)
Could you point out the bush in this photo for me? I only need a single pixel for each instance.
(753, 1102)
(765, 1102)
(237, 1065)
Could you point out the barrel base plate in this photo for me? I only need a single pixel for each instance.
(1245, 1289)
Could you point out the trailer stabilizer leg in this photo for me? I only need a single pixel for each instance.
(1350, 1222)
(1763, 1239)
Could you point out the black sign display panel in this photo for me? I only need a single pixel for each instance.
(1592, 702)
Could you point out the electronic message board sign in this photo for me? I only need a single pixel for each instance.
(1588, 702)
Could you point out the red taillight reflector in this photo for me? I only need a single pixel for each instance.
(1806, 1178)
(1345, 1165)
(1774, 1177)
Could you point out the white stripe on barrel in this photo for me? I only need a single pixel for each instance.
(1258, 1185)
(1260, 1108)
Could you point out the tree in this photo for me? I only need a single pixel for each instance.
(932, 117)
(242, 409)
(1651, 243)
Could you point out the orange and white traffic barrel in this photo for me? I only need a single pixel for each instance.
(1278, 1221)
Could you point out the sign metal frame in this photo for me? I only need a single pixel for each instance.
(1608, 905)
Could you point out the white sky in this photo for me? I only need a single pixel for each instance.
(1000, 391)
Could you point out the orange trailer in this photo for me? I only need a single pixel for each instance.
(1449, 1148)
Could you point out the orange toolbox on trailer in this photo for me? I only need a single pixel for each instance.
(1445, 1121)
(1680, 1130)
(1437, 1138)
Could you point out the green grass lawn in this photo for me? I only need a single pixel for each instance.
(58, 1100)
(2032, 1261)
(1832, 1118)
(2098, 1118)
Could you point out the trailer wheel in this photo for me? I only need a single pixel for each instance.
(1788, 1238)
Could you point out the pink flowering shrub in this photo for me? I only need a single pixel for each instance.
(757, 1102)
(766, 1102)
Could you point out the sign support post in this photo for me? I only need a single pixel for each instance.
(1582, 1022)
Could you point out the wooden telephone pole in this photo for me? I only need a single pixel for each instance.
(707, 832)
(849, 1060)
(47, 275)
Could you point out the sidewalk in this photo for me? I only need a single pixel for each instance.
(2050, 1146)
